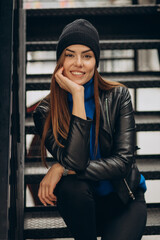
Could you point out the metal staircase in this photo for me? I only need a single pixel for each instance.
(131, 27)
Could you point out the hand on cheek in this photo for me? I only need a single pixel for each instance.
(66, 83)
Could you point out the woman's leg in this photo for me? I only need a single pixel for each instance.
(77, 207)
(127, 221)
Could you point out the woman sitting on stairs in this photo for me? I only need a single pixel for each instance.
(87, 124)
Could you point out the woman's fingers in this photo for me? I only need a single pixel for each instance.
(66, 83)
(41, 197)
(45, 195)
(47, 198)
(59, 76)
(51, 196)
(49, 183)
(61, 79)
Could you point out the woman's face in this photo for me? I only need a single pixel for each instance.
(79, 64)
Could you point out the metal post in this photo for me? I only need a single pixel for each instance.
(21, 115)
(6, 17)
(21, 145)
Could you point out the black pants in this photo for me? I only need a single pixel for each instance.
(88, 215)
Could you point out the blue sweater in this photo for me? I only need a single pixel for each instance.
(102, 187)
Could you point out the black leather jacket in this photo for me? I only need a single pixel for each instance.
(116, 140)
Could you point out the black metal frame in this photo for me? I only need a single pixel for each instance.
(21, 144)
(5, 116)
(12, 119)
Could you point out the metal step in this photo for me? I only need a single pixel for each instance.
(111, 22)
(144, 122)
(42, 82)
(111, 10)
(49, 224)
(104, 44)
(149, 166)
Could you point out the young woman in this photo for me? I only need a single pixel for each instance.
(88, 126)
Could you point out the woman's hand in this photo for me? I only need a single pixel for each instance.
(77, 92)
(67, 84)
(49, 183)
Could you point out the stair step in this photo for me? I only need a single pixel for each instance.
(148, 122)
(36, 159)
(35, 171)
(49, 208)
(42, 82)
(49, 224)
(144, 122)
(44, 224)
(150, 168)
(116, 22)
(111, 10)
(104, 44)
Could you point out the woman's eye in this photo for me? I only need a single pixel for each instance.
(69, 55)
(87, 56)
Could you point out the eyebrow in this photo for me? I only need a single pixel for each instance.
(82, 52)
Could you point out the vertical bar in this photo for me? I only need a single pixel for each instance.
(6, 17)
(135, 99)
(16, 216)
(21, 144)
(135, 60)
(135, 109)
(15, 128)
(134, 2)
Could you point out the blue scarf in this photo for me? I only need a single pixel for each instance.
(102, 187)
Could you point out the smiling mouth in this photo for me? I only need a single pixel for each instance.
(77, 73)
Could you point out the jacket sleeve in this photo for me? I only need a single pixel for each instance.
(75, 153)
(118, 164)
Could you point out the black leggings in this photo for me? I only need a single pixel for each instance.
(88, 215)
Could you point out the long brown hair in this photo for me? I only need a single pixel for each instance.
(59, 115)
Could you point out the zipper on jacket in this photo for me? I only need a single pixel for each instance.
(129, 190)
(107, 112)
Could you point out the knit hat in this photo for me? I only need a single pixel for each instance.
(82, 32)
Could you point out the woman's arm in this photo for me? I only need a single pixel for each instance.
(75, 153)
(77, 92)
(48, 184)
(116, 165)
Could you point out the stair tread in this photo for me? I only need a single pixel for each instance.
(124, 78)
(149, 165)
(104, 44)
(143, 119)
(102, 41)
(132, 80)
(29, 159)
(140, 119)
(130, 83)
(41, 222)
(110, 10)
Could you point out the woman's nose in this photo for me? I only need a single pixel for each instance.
(78, 61)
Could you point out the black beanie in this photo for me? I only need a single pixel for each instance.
(79, 32)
